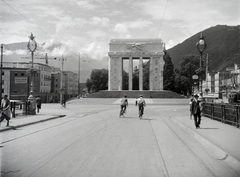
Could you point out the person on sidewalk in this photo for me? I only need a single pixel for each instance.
(190, 103)
(124, 104)
(201, 100)
(39, 103)
(141, 103)
(5, 110)
(196, 111)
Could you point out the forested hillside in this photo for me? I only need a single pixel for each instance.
(223, 47)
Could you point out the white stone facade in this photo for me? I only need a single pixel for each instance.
(136, 49)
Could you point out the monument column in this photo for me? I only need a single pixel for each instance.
(151, 74)
(141, 74)
(130, 78)
(109, 74)
(120, 64)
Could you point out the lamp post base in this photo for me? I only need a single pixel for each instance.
(32, 105)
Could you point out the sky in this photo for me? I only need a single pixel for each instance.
(70, 27)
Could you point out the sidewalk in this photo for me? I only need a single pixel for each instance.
(221, 140)
(48, 112)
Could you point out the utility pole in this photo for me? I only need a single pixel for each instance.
(79, 80)
(207, 73)
(61, 88)
(1, 72)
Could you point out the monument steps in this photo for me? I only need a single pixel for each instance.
(135, 94)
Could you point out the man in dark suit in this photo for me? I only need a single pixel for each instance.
(196, 111)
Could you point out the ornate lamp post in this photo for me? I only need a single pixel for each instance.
(201, 46)
(32, 46)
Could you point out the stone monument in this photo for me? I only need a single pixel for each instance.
(135, 49)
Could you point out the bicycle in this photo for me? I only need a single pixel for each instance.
(122, 112)
(140, 112)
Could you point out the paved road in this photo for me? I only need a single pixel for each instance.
(94, 141)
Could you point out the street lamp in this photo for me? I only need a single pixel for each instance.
(62, 98)
(1, 67)
(201, 46)
(32, 46)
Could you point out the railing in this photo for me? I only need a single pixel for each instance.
(19, 108)
(226, 113)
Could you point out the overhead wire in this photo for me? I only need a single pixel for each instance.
(164, 11)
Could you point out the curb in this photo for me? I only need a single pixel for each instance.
(218, 153)
(31, 123)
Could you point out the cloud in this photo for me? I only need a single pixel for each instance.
(121, 28)
(21, 52)
(8, 52)
(139, 24)
(104, 22)
(86, 5)
(95, 50)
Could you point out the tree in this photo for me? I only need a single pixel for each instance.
(136, 78)
(89, 85)
(183, 82)
(146, 75)
(98, 79)
(125, 80)
(168, 73)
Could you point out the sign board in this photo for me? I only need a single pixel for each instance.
(195, 77)
(20, 80)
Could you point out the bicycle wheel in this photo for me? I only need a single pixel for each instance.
(140, 113)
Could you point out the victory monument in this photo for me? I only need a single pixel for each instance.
(135, 49)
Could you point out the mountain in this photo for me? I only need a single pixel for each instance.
(223, 47)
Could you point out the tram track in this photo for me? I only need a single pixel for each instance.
(214, 167)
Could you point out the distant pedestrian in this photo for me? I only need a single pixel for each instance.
(195, 109)
(64, 103)
(5, 110)
(136, 102)
(201, 100)
(190, 104)
(39, 103)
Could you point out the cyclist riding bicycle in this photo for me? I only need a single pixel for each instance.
(124, 104)
(141, 104)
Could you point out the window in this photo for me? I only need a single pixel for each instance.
(16, 74)
(22, 74)
(3, 73)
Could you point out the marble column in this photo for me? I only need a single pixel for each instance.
(120, 73)
(109, 74)
(130, 78)
(141, 74)
(151, 72)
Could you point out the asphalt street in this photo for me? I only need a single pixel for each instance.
(91, 140)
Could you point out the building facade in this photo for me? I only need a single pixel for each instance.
(47, 81)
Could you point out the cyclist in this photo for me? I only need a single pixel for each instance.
(141, 104)
(124, 104)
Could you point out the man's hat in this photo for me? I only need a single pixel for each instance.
(141, 96)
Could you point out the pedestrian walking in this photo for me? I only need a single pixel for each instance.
(5, 110)
(201, 100)
(39, 103)
(64, 103)
(190, 103)
(195, 109)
